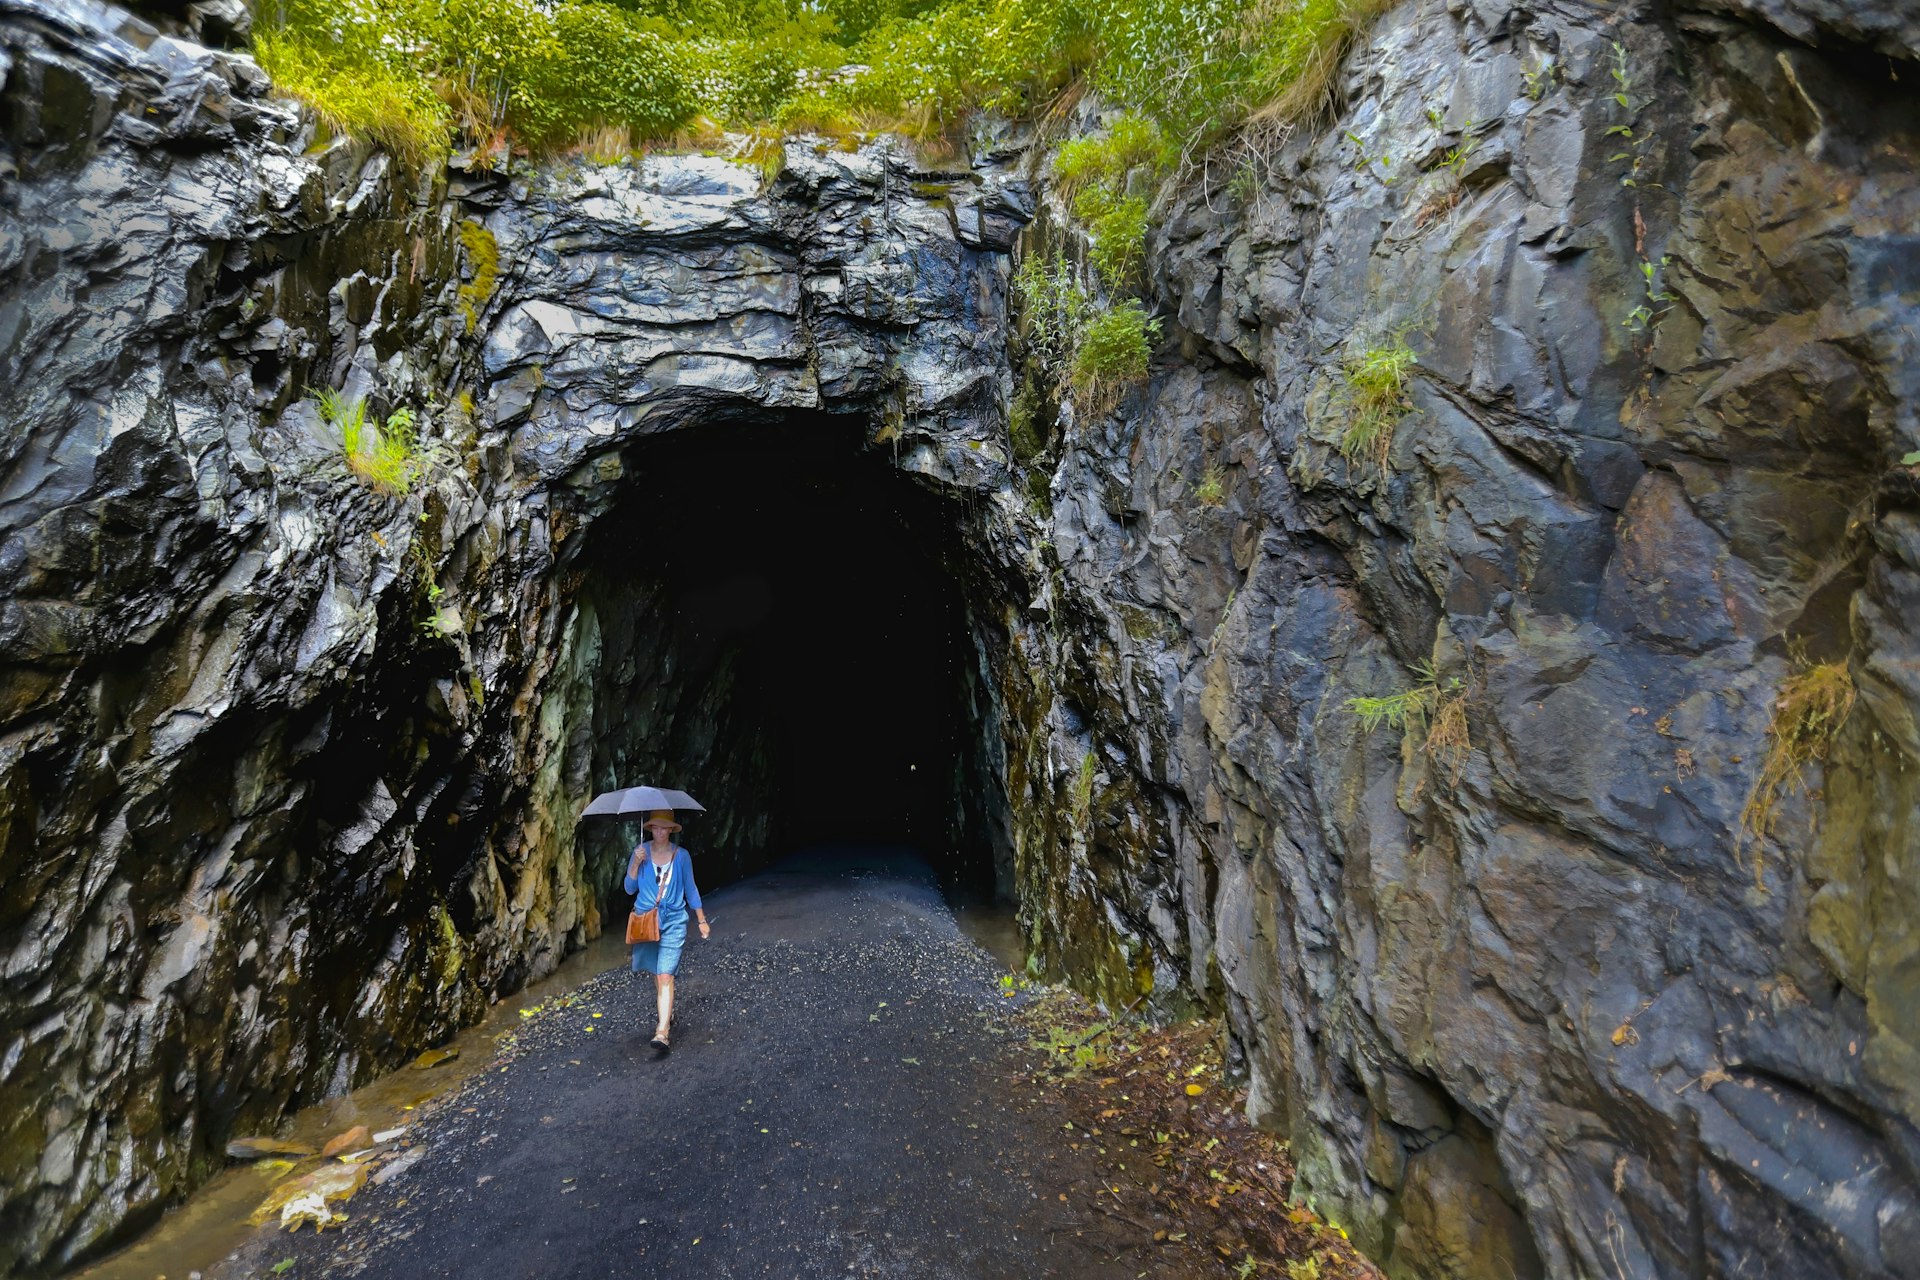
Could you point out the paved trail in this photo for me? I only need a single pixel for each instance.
(840, 1101)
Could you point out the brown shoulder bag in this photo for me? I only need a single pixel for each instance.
(644, 926)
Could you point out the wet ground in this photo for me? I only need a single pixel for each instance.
(213, 1222)
(845, 1097)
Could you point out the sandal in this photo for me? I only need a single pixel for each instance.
(660, 1041)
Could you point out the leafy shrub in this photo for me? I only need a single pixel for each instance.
(1113, 350)
(1052, 310)
(613, 68)
(1117, 227)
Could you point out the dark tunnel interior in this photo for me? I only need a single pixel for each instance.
(788, 640)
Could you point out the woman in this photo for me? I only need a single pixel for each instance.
(665, 882)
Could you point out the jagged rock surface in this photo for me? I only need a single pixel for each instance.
(1523, 1009)
(288, 767)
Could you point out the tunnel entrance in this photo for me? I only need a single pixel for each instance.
(783, 633)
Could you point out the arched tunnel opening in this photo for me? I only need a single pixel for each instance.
(784, 631)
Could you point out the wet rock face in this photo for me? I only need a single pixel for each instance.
(289, 765)
(1520, 1006)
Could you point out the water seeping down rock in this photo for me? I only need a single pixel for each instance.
(288, 767)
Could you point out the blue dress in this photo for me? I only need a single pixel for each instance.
(675, 894)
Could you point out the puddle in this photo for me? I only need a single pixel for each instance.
(990, 923)
(212, 1223)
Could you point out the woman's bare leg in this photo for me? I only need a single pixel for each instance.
(663, 992)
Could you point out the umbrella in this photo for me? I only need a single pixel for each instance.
(630, 800)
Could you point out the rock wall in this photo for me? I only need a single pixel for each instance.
(1526, 1006)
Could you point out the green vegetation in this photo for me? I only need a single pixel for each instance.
(1113, 351)
(387, 456)
(1083, 791)
(483, 259)
(1439, 708)
(1813, 704)
(1212, 489)
(360, 95)
(546, 74)
(1117, 227)
(1375, 395)
(1053, 310)
(1641, 318)
(1540, 77)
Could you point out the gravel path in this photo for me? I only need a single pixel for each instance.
(840, 1101)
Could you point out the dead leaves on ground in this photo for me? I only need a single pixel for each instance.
(1185, 1164)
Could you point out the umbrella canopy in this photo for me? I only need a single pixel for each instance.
(640, 800)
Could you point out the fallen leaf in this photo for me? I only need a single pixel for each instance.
(340, 1142)
(1195, 1090)
(434, 1057)
(283, 1266)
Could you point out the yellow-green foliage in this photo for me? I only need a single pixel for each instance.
(1117, 228)
(1440, 708)
(448, 944)
(483, 260)
(1105, 176)
(542, 72)
(1083, 791)
(386, 456)
(1812, 706)
(1052, 313)
(1131, 142)
(1212, 489)
(1113, 350)
(1376, 399)
(397, 110)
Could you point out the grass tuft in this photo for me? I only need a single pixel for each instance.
(1212, 489)
(556, 74)
(385, 455)
(1375, 396)
(396, 110)
(1439, 708)
(1812, 706)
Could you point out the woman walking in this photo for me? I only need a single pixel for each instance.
(661, 875)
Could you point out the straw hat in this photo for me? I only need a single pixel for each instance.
(660, 818)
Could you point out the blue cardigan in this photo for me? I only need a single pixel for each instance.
(682, 892)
